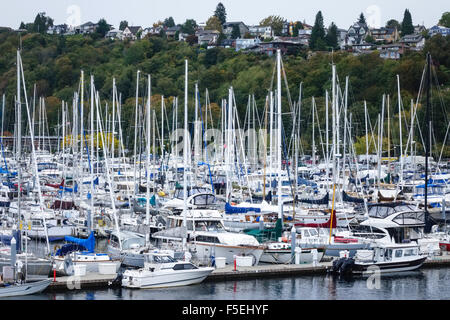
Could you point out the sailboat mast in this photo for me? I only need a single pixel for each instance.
(280, 203)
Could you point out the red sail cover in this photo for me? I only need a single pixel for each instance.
(330, 223)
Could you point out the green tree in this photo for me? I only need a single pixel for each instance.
(189, 26)
(407, 24)
(394, 24)
(297, 25)
(102, 27)
(169, 22)
(236, 32)
(445, 20)
(332, 36)
(123, 25)
(42, 23)
(276, 22)
(362, 19)
(317, 40)
(214, 23)
(221, 13)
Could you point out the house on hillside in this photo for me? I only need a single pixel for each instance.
(414, 41)
(356, 34)
(114, 34)
(132, 32)
(86, 28)
(439, 30)
(392, 51)
(386, 35)
(208, 37)
(242, 44)
(228, 28)
(58, 29)
(172, 32)
(263, 32)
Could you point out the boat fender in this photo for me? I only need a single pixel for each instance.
(68, 266)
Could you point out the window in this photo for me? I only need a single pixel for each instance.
(409, 252)
(398, 253)
(184, 266)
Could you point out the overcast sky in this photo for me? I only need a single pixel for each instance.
(145, 12)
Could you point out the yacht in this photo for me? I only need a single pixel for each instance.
(161, 270)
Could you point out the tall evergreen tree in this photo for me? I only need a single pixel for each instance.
(123, 25)
(407, 25)
(332, 36)
(221, 13)
(317, 40)
(169, 22)
(102, 27)
(42, 23)
(236, 32)
(362, 19)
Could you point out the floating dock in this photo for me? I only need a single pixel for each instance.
(101, 281)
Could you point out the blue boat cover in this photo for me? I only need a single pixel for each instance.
(230, 209)
(88, 244)
(68, 248)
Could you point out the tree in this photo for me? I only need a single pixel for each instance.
(276, 22)
(192, 39)
(369, 39)
(394, 24)
(317, 40)
(445, 20)
(236, 32)
(123, 25)
(332, 36)
(407, 25)
(102, 27)
(214, 23)
(42, 23)
(362, 19)
(221, 13)
(297, 25)
(169, 22)
(189, 26)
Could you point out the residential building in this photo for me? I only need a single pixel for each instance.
(285, 44)
(242, 44)
(415, 41)
(172, 31)
(85, 28)
(356, 34)
(132, 32)
(419, 28)
(114, 34)
(58, 29)
(228, 43)
(439, 30)
(264, 32)
(392, 51)
(228, 28)
(208, 37)
(386, 35)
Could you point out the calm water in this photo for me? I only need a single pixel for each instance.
(426, 284)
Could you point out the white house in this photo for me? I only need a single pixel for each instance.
(114, 34)
(132, 32)
(261, 31)
(246, 43)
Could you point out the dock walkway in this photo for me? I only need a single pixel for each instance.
(96, 280)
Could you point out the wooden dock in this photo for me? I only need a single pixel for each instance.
(99, 281)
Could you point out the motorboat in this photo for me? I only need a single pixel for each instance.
(385, 257)
(161, 270)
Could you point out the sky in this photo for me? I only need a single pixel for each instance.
(145, 12)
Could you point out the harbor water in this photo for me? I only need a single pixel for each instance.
(424, 284)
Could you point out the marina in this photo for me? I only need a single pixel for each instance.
(145, 187)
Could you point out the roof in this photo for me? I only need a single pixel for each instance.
(134, 29)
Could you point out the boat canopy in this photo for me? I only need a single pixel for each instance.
(88, 244)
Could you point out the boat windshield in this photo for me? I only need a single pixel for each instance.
(159, 259)
(384, 211)
(208, 226)
(133, 243)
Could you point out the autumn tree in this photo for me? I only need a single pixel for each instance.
(214, 23)
(276, 22)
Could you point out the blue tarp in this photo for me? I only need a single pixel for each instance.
(68, 248)
(230, 209)
(88, 243)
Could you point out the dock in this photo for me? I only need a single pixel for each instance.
(101, 281)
